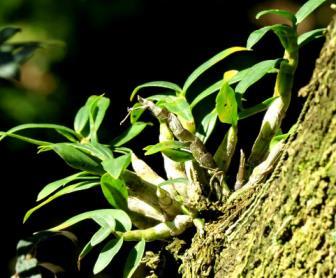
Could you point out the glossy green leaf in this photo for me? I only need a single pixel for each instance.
(53, 186)
(107, 254)
(75, 158)
(100, 235)
(255, 73)
(162, 146)
(67, 190)
(115, 191)
(115, 166)
(208, 124)
(307, 9)
(248, 112)
(134, 259)
(208, 64)
(59, 128)
(7, 32)
(178, 155)
(286, 14)
(311, 35)
(134, 130)
(226, 105)
(105, 215)
(157, 84)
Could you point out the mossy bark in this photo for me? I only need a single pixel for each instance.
(285, 227)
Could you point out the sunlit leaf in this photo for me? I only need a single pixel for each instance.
(115, 166)
(53, 186)
(162, 146)
(67, 190)
(107, 254)
(311, 35)
(115, 191)
(255, 73)
(307, 9)
(208, 64)
(100, 235)
(134, 130)
(226, 105)
(134, 259)
(157, 84)
(286, 14)
(248, 112)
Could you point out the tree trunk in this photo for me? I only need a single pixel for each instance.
(285, 227)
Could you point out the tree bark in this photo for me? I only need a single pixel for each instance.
(285, 227)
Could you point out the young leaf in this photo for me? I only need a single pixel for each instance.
(69, 189)
(115, 166)
(307, 9)
(257, 35)
(53, 186)
(255, 73)
(97, 112)
(107, 215)
(207, 126)
(75, 158)
(178, 155)
(100, 235)
(86, 250)
(134, 259)
(81, 119)
(256, 109)
(115, 191)
(208, 64)
(157, 84)
(282, 136)
(162, 146)
(311, 35)
(107, 254)
(134, 130)
(286, 14)
(226, 105)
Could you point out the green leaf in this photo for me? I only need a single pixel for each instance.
(8, 32)
(178, 155)
(98, 112)
(207, 92)
(67, 190)
(123, 221)
(208, 124)
(136, 111)
(75, 158)
(95, 149)
(100, 235)
(59, 128)
(115, 166)
(86, 250)
(115, 191)
(280, 136)
(99, 216)
(162, 146)
(257, 35)
(81, 119)
(282, 13)
(107, 254)
(173, 181)
(208, 64)
(255, 73)
(134, 259)
(134, 130)
(53, 186)
(311, 35)
(248, 112)
(226, 105)
(307, 9)
(157, 84)
(24, 139)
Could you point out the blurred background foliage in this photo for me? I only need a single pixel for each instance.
(110, 46)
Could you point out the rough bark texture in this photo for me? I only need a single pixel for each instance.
(285, 227)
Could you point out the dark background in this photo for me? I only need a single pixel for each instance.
(111, 47)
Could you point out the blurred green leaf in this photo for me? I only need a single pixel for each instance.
(162, 146)
(307, 9)
(130, 133)
(283, 13)
(134, 259)
(311, 35)
(7, 32)
(157, 84)
(115, 191)
(226, 105)
(107, 254)
(260, 107)
(208, 64)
